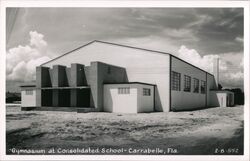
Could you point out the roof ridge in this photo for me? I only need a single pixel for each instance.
(153, 51)
(70, 51)
(132, 47)
(100, 41)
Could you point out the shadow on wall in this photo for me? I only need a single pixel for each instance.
(213, 104)
(158, 105)
(110, 103)
(113, 74)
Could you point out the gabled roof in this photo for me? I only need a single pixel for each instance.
(126, 46)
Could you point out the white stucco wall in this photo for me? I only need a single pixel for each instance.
(145, 103)
(210, 96)
(134, 102)
(182, 100)
(120, 103)
(213, 100)
(141, 66)
(28, 100)
(221, 98)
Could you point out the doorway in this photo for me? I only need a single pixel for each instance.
(83, 97)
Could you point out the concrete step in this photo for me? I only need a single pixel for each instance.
(87, 109)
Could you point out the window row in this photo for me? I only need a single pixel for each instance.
(197, 86)
(126, 90)
(28, 92)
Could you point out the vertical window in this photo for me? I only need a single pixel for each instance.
(124, 90)
(29, 92)
(187, 83)
(146, 92)
(109, 70)
(203, 86)
(196, 85)
(176, 81)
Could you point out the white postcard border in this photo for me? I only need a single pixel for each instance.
(119, 3)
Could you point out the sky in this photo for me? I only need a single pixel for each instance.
(196, 35)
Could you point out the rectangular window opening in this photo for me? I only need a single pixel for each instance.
(175, 81)
(187, 83)
(146, 92)
(203, 87)
(124, 90)
(109, 70)
(29, 92)
(196, 85)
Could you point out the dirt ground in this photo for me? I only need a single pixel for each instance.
(202, 132)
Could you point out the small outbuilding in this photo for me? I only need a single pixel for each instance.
(222, 98)
(28, 95)
(132, 97)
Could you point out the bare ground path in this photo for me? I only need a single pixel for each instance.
(208, 131)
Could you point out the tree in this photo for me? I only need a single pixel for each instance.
(220, 87)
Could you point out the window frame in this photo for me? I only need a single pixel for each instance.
(196, 85)
(29, 92)
(123, 90)
(187, 83)
(203, 91)
(175, 81)
(146, 92)
(109, 70)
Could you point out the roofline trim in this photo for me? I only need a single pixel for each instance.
(155, 51)
(27, 86)
(130, 83)
(152, 51)
(68, 52)
(191, 65)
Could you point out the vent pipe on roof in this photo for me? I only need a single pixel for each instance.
(216, 71)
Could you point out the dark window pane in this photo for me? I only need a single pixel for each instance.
(175, 81)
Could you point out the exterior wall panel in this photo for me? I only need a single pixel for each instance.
(28, 100)
(211, 97)
(145, 103)
(221, 98)
(99, 73)
(143, 66)
(120, 103)
(182, 100)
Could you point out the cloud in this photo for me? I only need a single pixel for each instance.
(232, 79)
(164, 44)
(204, 29)
(201, 19)
(204, 62)
(231, 65)
(21, 61)
(36, 40)
(242, 63)
(180, 34)
(239, 39)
